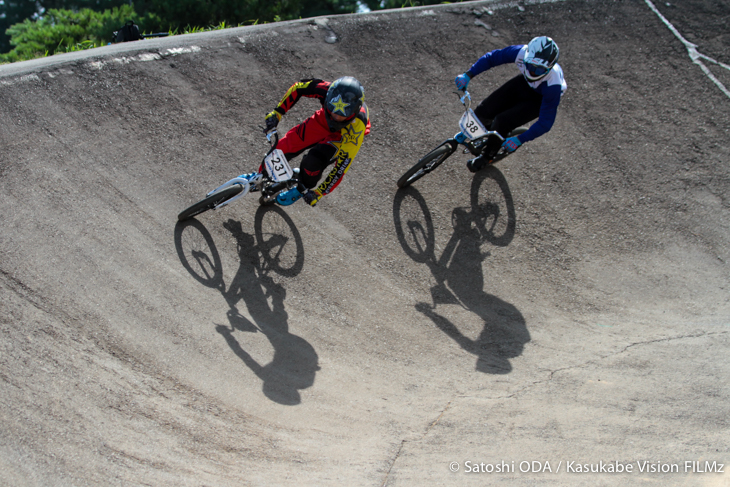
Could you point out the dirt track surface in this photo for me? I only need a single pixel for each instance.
(568, 305)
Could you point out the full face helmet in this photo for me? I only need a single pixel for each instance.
(542, 54)
(344, 98)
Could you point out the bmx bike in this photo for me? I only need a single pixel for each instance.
(475, 142)
(276, 176)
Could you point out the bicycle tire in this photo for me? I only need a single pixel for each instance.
(428, 163)
(210, 202)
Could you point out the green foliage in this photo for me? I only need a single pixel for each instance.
(66, 31)
(180, 13)
(316, 8)
(51, 26)
(383, 4)
(16, 11)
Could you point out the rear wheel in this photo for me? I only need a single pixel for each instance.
(210, 202)
(428, 163)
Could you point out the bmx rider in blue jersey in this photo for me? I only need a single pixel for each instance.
(533, 94)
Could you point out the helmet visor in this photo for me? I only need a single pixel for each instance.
(535, 71)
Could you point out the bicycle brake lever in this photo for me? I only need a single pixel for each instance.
(466, 96)
(270, 134)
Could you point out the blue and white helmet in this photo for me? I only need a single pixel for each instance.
(542, 54)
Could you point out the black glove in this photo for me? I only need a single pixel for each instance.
(310, 197)
(272, 120)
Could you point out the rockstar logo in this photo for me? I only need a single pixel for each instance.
(350, 136)
(339, 105)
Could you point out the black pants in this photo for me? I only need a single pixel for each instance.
(314, 163)
(510, 106)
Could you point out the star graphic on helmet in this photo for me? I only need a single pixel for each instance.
(339, 105)
(350, 136)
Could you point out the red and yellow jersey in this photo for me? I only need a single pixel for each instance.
(315, 130)
(349, 143)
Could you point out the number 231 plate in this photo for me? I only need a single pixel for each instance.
(277, 166)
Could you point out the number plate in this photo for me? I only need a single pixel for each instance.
(471, 126)
(277, 166)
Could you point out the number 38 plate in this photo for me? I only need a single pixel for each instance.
(277, 166)
(471, 126)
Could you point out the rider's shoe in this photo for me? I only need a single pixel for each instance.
(460, 137)
(477, 163)
(286, 198)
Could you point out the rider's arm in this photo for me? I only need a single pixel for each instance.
(548, 112)
(494, 58)
(310, 88)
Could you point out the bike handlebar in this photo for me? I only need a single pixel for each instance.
(463, 96)
(272, 134)
(465, 99)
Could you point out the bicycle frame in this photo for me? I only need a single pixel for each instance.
(473, 136)
(245, 183)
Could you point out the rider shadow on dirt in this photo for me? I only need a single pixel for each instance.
(276, 247)
(458, 272)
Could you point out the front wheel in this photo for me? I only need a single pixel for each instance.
(210, 202)
(428, 163)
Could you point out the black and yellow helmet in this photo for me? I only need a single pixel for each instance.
(345, 97)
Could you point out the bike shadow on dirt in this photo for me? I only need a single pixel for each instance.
(458, 271)
(275, 247)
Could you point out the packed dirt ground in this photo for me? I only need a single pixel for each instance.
(570, 304)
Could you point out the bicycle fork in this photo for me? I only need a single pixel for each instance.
(242, 180)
